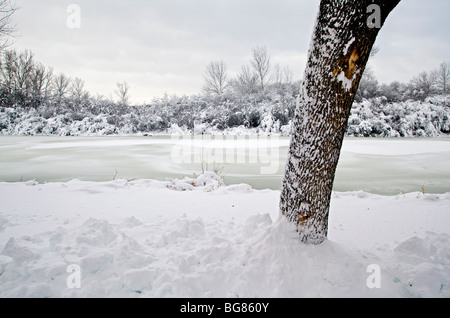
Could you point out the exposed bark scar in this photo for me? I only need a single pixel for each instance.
(304, 213)
(348, 63)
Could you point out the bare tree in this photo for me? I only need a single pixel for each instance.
(48, 85)
(77, 89)
(443, 77)
(7, 9)
(216, 78)
(24, 71)
(246, 81)
(340, 48)
(368, 85)
(288, 76)
(123, 93)
(24, 80)
(61, 86)
(41, 82)
(282, 75)
(78, 93)
(277, 74)
(8, 69)
(423, 85)
(261, 65)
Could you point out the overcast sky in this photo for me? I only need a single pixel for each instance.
(163, 46)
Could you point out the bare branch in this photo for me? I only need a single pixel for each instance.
(216, 78)
(7, 9)
(261, 65)
(122, 92)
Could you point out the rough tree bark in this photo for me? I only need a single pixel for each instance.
(343, 37)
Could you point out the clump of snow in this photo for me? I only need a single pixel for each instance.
(208, 181)
(141, 239)
(424, 263)
(346, 83)
(177, 130)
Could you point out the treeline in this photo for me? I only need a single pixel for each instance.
(258, 77)
(27, 83)
(31, 90)
(425, 84)
(260, 100)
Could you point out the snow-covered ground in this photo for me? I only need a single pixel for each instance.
(200, 238)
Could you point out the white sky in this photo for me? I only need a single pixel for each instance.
(163, 46)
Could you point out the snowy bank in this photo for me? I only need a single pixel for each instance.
(369, 118)
(197, 237)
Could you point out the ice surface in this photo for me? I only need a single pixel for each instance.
(375, 165)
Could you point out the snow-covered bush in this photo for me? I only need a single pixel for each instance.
(377, 118)
(265, 115)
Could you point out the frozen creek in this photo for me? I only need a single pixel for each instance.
(375, 165)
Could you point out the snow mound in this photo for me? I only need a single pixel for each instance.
(18, 253)
(424, 265)
(208, 181)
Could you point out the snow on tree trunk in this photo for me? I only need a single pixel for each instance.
(343, 37)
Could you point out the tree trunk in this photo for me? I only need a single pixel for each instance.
(343, 37)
